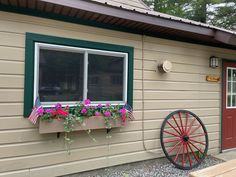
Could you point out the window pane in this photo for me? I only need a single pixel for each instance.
(229, 74)
(233, 100)
(234, 75)
(229, 88)
(234, 87)
(228, 101)
(105, 78)
(60, 76)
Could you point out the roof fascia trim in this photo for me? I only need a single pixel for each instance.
(132, 15)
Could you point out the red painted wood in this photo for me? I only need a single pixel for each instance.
(229, 115)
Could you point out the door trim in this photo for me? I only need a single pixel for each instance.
(222, 101)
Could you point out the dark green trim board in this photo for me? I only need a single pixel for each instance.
(31, 38)
(59, 17)
(222, 108)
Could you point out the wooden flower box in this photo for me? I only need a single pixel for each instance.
(91, 123)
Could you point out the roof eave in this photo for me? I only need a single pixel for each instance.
(221, 36)
(132, 15)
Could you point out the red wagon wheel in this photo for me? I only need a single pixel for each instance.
(184, 139)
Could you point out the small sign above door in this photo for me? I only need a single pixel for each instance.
(213, 78)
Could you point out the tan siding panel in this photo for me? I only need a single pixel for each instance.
(161, 114)
(137, 95)
(22, 135)
(21, 173)
(137, 105)
(174, 49)
(52, 158)
(132, 157)
(181, 86)
(180, 95)
(12, 53)
(177, 104)
(11, 109)
(69, 168)
(137, 84)
(9, 123)
(8, 81)
(10, 67)
(12, 39)
(13, 95)
(181, 77)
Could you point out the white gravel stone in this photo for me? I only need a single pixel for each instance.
(160, 167)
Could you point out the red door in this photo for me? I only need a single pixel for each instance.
(229, 106)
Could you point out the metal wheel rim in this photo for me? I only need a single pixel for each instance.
(188, 138)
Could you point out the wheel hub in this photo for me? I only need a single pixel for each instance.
(185, 138)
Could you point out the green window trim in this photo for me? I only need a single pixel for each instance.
(31, 38)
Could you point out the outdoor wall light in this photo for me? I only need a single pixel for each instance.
(213, 62)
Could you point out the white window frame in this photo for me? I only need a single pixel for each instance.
(86, 52)
(231, 92)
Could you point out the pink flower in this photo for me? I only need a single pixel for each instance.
(40, 111)
(58, 105)
(49, 110)
(84, 111)
(99, 105)
(107, 114)
(97, 114)
(87, 107)
(122, 111)
(107, 105)
(67, 107)
(87, 102)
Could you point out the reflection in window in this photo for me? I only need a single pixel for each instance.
(70, 74)
(60, 76)
(231, 87)
(105, 69)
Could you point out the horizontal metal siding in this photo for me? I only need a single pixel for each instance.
(23, 148)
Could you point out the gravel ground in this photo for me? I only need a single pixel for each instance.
(151, 168)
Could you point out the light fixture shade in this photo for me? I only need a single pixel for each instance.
(214, 62)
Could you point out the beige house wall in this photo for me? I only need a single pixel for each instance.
(24, 152)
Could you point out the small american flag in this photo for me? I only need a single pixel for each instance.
(130, 111)
(35, 111)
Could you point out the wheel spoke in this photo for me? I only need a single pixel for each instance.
(186, 122)
(173, 127)
(197, 142)
(196, 148)
(184, 139)
(178, 152)
(181, 123)
(174, 147)
(177, 124)
(195, 129)
(183, 155)
(172, 140)
(171, 133)
(198, 135)
(190, 126)
(193, 152)
(189, 158)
